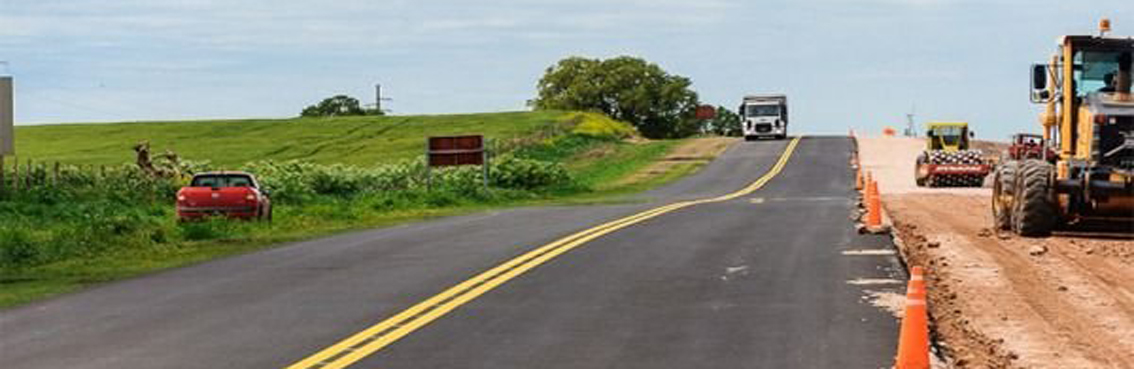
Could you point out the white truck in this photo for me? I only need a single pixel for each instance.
(764, 116)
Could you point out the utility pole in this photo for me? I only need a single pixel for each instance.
(911, 130)
(378, 99)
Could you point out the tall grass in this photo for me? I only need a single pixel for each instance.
(87, 213)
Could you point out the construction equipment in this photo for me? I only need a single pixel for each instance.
(1029, 146)
(1088, 119)
(947, 159)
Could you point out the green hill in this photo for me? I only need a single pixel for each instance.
(347, 140)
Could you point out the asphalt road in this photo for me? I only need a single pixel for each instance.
(757, 281)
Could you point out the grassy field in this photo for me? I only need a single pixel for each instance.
(75, 240)
(347, 140)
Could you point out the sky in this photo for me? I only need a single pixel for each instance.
(861, 64)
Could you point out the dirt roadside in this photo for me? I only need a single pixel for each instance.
(693, 151)
(998, 300)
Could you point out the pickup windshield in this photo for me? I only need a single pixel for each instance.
(222, 180)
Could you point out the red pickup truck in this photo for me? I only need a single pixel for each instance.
(232, 194)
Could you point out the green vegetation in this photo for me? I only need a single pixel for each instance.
(338, 106)
(92, 227)
(362, 141)
(725, 123)
(625, 88)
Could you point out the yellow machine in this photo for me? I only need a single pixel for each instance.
(947, 159)
(947, 136)
(1088, 121)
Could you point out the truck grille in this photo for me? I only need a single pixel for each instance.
(764, 127)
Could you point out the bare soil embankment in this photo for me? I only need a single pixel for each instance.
(999, 300)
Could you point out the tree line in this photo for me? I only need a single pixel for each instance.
(659, 104)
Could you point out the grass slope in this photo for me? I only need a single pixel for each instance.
(347, 140)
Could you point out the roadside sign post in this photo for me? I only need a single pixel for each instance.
(7, 141)
(451, 151)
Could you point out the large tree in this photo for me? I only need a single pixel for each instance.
(629, 89)
(338, 105)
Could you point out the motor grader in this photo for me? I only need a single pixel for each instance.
(1088, 121)
(948, 160)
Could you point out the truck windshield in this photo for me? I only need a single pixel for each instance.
(762, 110)
(219, 180)
(1094, 68)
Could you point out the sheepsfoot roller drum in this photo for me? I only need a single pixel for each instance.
(952, 169)
(1086, 174)
(947, 160)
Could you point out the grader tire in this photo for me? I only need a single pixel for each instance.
(1004, 188)
(1035, 213)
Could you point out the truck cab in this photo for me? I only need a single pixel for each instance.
(764, 116)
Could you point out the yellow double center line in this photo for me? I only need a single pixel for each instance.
(370, 340)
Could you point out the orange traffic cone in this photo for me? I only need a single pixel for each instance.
(873, 205)
(913, 341)
(865, 183)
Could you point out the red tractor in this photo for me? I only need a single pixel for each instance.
(1029, 146)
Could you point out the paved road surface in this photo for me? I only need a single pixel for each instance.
(756, 281)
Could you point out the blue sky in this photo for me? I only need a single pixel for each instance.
(843, 63)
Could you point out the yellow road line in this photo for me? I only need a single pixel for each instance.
(378, 336)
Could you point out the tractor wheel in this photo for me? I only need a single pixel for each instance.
(1035, 213)
(918, 179)
(1003, 190)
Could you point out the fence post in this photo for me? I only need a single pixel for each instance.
(55, 176)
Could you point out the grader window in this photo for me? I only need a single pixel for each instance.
(1095, 71)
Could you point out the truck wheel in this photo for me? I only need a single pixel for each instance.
(1003, 190)
(1035, 213)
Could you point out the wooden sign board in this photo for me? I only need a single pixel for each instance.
(705, 112)
(456, 150)
(7, 142)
